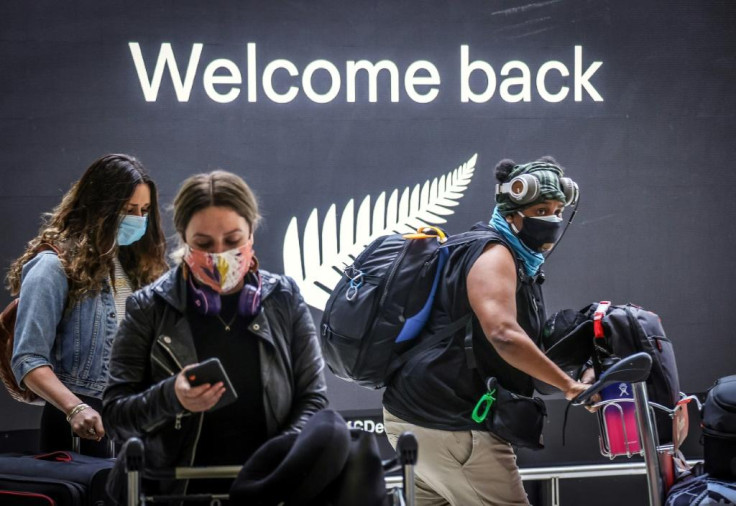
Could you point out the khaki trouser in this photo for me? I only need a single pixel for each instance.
(461, 468)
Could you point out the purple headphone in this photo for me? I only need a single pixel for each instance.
(207, 302)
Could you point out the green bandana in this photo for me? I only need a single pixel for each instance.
(549, 188)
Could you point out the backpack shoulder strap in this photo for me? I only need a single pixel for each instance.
(488, 234)
(473, 235)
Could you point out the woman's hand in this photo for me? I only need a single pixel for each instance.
(199, 398)
(84, 421)
(87, 424)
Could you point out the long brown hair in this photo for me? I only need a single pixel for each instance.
(84, 227)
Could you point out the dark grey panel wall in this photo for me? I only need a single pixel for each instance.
(653, 157)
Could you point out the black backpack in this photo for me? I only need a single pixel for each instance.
(719, 429)
(383, 301)
(569, 339)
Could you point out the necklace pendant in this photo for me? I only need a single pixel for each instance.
(225, 324)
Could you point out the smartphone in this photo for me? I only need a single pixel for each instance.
(211, 371)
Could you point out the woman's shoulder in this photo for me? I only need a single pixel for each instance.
(273, 284)
(45, 263)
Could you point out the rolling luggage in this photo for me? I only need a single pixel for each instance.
(715, 481)
(702, 490)
(719, 429)
(53, 479)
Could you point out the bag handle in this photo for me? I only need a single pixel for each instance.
(428, 232)
(600, 312)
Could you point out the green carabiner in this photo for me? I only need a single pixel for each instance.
(488, 399)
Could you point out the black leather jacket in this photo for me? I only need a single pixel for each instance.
(154, 343)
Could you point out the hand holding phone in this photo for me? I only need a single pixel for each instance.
(211, 371)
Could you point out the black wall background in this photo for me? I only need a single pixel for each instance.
(654, 160)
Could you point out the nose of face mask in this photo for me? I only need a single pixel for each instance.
(131, 229)
(549, 219)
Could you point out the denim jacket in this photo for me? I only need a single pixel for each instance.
(76, 342)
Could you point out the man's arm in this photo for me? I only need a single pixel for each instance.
(492, 295)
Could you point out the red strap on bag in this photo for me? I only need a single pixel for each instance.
(600, 312)
(57, 456)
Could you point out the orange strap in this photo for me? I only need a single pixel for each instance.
(426, 233)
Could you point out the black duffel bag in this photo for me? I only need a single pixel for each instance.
(719, 429)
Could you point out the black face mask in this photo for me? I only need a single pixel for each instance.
(536, 232)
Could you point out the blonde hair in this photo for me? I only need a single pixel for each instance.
(220, 189)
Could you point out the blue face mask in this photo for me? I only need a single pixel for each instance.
(131, 229)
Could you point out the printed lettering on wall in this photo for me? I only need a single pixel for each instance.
(222, 79)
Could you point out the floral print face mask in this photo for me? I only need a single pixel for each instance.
(221, 272)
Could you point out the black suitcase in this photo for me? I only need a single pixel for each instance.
(702, 490)
(719, 429)
(54, 479)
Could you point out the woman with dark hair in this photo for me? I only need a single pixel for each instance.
(215, 303)
(103, 241)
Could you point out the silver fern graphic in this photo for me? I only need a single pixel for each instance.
(316, 264)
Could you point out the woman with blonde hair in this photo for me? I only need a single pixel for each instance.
(102, 241)
(216, 303)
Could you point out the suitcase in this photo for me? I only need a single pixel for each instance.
(53, 479)
(719, 429)
(702, 490)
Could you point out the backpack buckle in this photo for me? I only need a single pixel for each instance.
(356, 281)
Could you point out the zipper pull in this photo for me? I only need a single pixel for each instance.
(177, 423)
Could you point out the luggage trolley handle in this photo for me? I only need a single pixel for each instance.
(632, 369)
(133, 455)
(77, 446)
(407, 452)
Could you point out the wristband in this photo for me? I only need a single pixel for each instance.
(75, 411)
